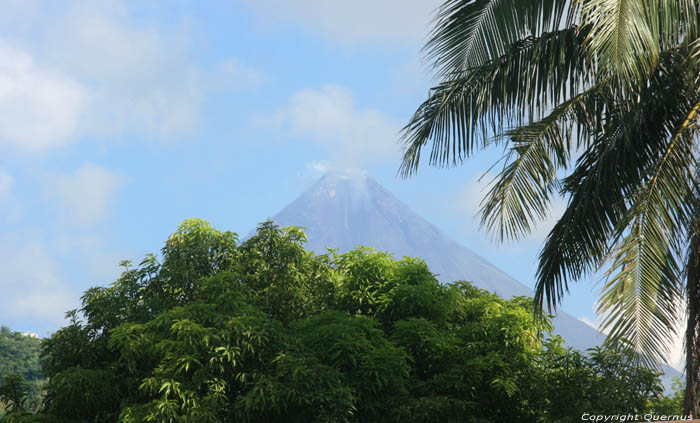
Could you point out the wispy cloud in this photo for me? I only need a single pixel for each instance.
(6, 182)
(89, 70)
(352, 136)
(85, 194)
(356, 22)
(40, 107)
(321, 166)
(14, 11)
(143, 78)
(32, 286)
(9, 206)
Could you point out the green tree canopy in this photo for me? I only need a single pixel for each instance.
(597, 101)
(265, 331)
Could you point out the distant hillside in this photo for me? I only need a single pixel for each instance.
(19, 354)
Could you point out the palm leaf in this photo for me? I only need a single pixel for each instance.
(627, 36)
(470, 33)
(622, 154)
(639, 302)
(673, 22)
(621, 38)
(534, 76)
(521, 192)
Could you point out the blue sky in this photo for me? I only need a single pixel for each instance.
(120, 119)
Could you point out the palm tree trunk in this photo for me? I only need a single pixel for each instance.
(692, 341)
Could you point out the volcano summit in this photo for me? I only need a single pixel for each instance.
(345, 209)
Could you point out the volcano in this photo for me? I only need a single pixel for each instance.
(346, 209)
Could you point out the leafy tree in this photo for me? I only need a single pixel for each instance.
(606, 376)
(615, 83)
(268, 332)
(13, 392)
(15, 398)
(670, 405)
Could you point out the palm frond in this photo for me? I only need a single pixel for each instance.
(639, 301)
(623, 154)
(578, 241)
(627, 36)
(521, 192)
(471, 33)
(534, 75)
(675, 21)
(621, 37)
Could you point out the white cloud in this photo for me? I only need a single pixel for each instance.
(92, 70)
(141, 79)
(30, 284)
(320, 166)
(98, 262)
(85, 194)
(328, 116)
(233, 74)
(359, 21)
(37, 284)
(14, 11)
(10, 210)
(6, 182)
(40, 107)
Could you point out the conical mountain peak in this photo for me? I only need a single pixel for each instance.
(347, 208)
(347, 181)
(344, 189)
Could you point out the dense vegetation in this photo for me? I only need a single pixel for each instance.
(597, 101)
(268, 332)
(19, 355)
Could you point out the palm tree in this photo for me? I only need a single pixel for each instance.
(615, 83)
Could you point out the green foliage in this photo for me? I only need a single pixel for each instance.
(607, 376)
(268, 332)
(612, 82)
(671, 405)
(20, 356)
(13, 393)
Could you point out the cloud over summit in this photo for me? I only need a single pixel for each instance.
(351, 135)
